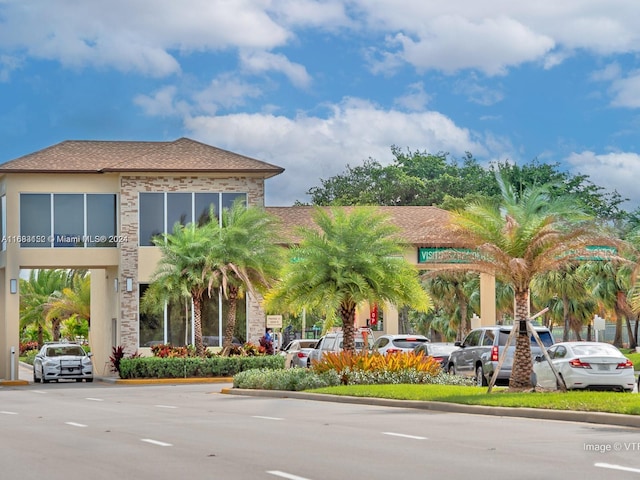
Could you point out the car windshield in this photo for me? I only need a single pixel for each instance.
(408, 342)
(545, 336)
(442, 349)
(73, 350)
(593, 350)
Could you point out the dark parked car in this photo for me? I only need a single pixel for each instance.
(440, 351)
(480, 352)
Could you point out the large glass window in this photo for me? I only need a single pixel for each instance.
(101, 220)
(35, 219)
(68, 219)
(178, 209)
(151, 216)
(159, 212)
(179, 323)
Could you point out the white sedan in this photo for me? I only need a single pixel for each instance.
(585, 365)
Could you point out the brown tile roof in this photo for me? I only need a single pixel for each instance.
(419, 226)
(182, 155)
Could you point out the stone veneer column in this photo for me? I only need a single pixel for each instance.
(130, 186)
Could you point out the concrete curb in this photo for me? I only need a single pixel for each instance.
(535, 413)
(165, 381)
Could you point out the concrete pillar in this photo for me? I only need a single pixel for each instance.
(487, 299)
(390, 319)
(104, 312)
(9, 323)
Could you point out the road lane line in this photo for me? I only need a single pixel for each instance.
(289, 476)
(8, 413)
(156, 442)
(267, 418)
(404, 435)
(91, 399)
(165, 406)
(617, 467)
(74, 424)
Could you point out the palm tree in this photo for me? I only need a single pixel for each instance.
(180, 275)
(567, 284)
(235, 255)
(74, 301)
(353, 256)
(450, 290)
(35, 296)
(244, 256)
(525, 236)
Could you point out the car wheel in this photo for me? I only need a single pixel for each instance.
(35, 377)
(44, 380)
(481, 381)
(78, 380)
(90, 379)
(452, 369)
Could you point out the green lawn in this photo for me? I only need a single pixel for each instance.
(610, 402)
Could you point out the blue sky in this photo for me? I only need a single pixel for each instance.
(316, 85)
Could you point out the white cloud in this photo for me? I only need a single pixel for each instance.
(613, 171)
(626, 91)
(260, 61)
(415, 99)
(311, 148)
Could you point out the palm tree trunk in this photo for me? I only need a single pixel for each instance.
(348, 315)
(522, 365)
(197, 324)
(231, 318)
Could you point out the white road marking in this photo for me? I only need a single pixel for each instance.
(74, 424)
(165, 406)
(278, 473)
(9, 413)
(267, 418)
(39, 391)
(156, 442)
(94, 399)
(617, 467)
(404, 436)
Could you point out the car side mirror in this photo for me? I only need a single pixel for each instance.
(458, 344)
(539, 358)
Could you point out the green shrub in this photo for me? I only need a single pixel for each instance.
(292, 379)
(185, 367)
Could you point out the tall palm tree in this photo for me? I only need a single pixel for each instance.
(244, 256)
(526, 235)
(180, 275)
(450, 290)
(350, 257)
(235, 255)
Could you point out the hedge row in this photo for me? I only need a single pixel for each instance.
(189, 367)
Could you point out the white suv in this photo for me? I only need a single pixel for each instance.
(386, 344)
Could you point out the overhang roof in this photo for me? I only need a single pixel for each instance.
(183, 155)
(419, 226)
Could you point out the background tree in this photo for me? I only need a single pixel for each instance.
(73, 302)
(353, 256)
(35, 293)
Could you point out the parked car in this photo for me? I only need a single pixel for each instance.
(333, 342)
(585, 365)
(297, 352)
(480, 352)
(440, 351)
(56, 361)
(386, 344)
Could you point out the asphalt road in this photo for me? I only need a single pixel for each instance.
(105, 431)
